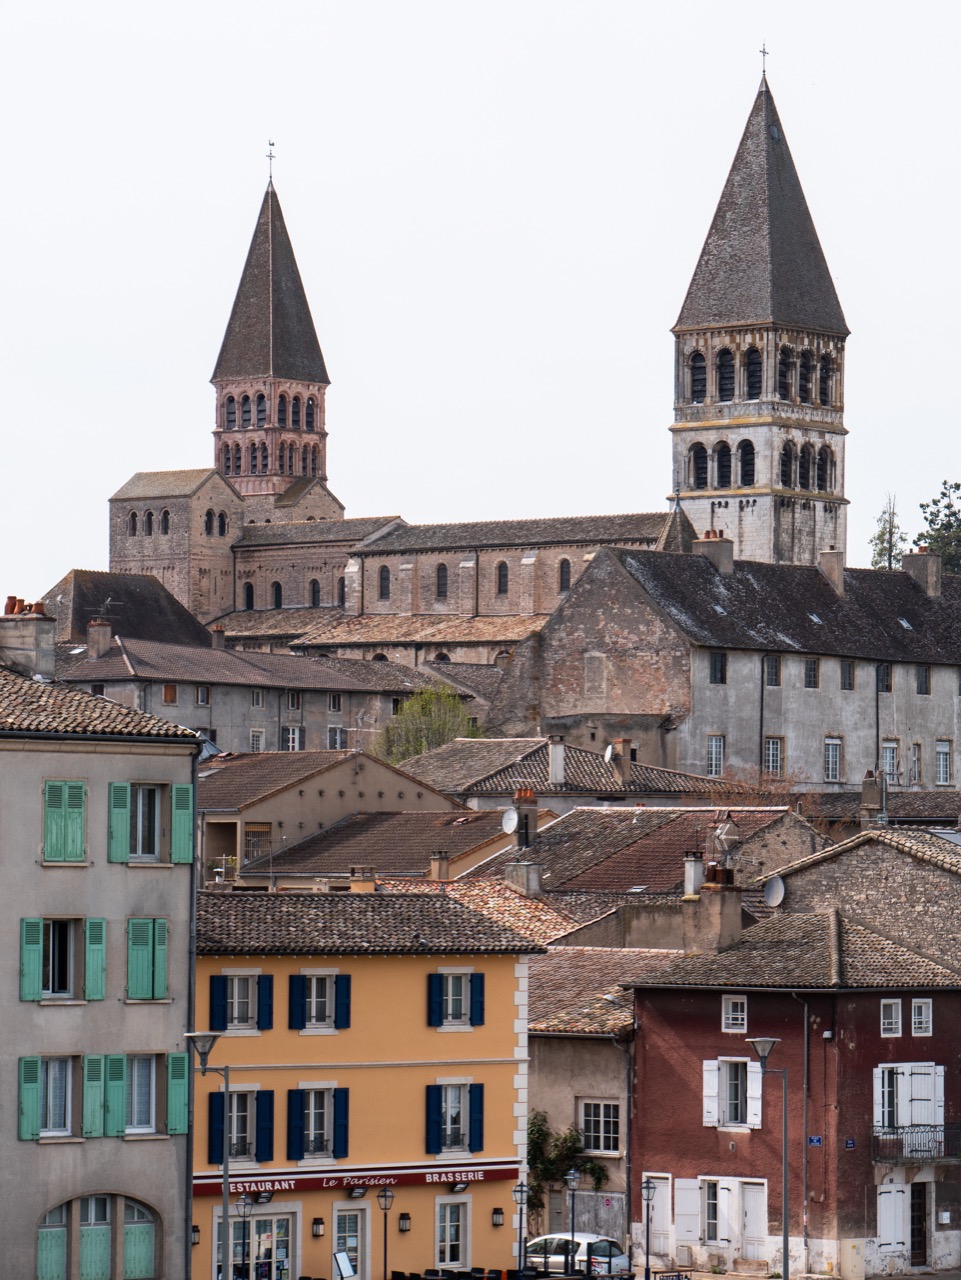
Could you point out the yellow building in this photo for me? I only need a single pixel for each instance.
(374, 1040)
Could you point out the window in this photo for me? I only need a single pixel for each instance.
(241, 1109)
(710, 1211)
(383, 583)
(452, 1232)
(319, 1002)
(257, 839)
(169, 695)
(132, 524)
(254, 455)
(725, 375)
(921, 1018)
(148, 524)
(824, 469)
(722, 465)
(245, 411)
(806, 378)
(812, 673)
(754, 369)
(890, 1017)
(745, 453)
(503, 578)
(334, 702)
(64, 821)
(230, 405)
(698, 378)
(314, 594)
(698, 467)
(564, 575)
(317, 1120)
(600, 1123)
(141, 1110)
(943, 771)
(295, 413)
(140, 817)
(909, 1094)
(341, 592)
(455, 1117)
(310, 413)
(241, 1002)
(208, 522)
(805, 467)
(292, 737)
(336, 739)
(147, 959)
(293, 700)
(847, 674)
(202, 695)
(732, 1093)
(784, 373)
(718, 668)
(144, 821)
(772, 670)
(889, 760)
(55, 1100)
(256, 740)
(281, 411)
(221, 524)
(256, 697)
(261, 410)
(884, 677)
(715, 755)
(277, 594)
(455, 999)
(734, 1013)
(824, 381)
(440, 585)
(250, 1121)
(915, 762)
(832, 759)
(922, 677)
(787, 467)
(165, 521)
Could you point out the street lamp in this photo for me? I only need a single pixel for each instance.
(648, 1188)
(521, 1194)
(762, 1046)
(245, 1207)
(572, 1177)
(202, 1042)
(385, 1198)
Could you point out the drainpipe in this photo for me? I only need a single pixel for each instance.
(476, 582)
(628, 1050)
(191, 1017)
(877, 720)
(760, 729)
(804, 1149)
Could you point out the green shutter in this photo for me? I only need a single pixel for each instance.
(138, 1251)
(139, 959)
(115, 1112)
(52, 1253)
(31, 959)
(95, 1253)
(29, 1098)
(54, 801)
(93, 1095)
(95, 959)
(74, 822)
(182, 823)
(118, 847)
(178, 1082)
(160, 959)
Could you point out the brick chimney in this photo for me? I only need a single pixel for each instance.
(525, 877)
(555, 760)
(98, 637)
(718, 549)
(218, 637)
(925, 569)
(525, 802)
(831, 564)
(622, 760)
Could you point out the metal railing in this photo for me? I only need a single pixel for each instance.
(916, 1142)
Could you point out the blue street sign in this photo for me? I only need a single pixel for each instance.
(815, 1141)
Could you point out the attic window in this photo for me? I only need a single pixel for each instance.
(815, 618)
(719, 609)
(904, 623)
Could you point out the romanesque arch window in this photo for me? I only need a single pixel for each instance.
(230, 413)
(263, 459)
(440, 585)
(148, 524)
(784, 362)
(754, 370)
(132, 524)
(282, 459)
(825, 476)
(442, 657)
(245, 411)
(277, 595)
(237, 457)
(295, 413)
(222, 524)
(290, 459)
(281, 411)
(564, 575)
(313, 460)
(805, 382)
(303, 461)
(254, 455)
(379, 657)
(383, 583)
(697, 467)
(261, 410)
(105, 1226)
(787, 466)
(165, 521)
(503, 578)
(248, 595)
(341, 591)
(227, 458)
(824, 381)
(314, 593)
(698, 378)
(745, 463)
(208, 522)
(725, 375)
(805, 470)
(722, 465)
(311, 413)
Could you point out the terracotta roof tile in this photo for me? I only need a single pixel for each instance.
(390, 628)
(640, 527)
(578, 990)
(163, 484)
(312, 532)
(31, 706)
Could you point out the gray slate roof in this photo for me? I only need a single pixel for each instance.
(33, 706)
(762, 262)
(137, 605)
(164, 484)
(643, 527)
(270, 332)
(311, 532)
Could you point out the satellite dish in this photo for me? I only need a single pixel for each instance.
(774, 891)
(509, 821)
(726, 836)
(609, 753)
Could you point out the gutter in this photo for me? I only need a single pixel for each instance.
(805, 1262)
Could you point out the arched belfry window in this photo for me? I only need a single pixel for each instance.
(254, 455)
(311, 413)
(754, 371)
(314, 593)
(825, 476)
(342, 591)
(787, 466)
(564, 575)
(697, 467)
(165, 521)
(237, 462)
(245, 411)
(132, 524)
(503, 578)
(304, 465)
(725, 375)
(383, 583)
(227, 459)
(208, 522)
(222, 524)
(148, 524)
(263, 459)
(440, 586)
(722, 465)
(248, 595)
(746, 463)
(824, 381)
(698, 378)
(261, 410)
(313, 461)
(281, 411)
(282, 459)
(277, 592)
(290, 459)
(784, 362)
(805, 382)
(805, 468)
(295, 413)
(230, 414)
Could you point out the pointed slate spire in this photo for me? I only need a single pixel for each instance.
(270, 332)
(762, 262)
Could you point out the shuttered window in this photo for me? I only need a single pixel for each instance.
(455, 999)
(147, 959)
(64, 821)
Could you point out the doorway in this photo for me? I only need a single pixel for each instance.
(754, 1224)
(350, 1237)
(260, 1248)
(919, 1224)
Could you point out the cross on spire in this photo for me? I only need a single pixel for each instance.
(270, 161)
(762, 51)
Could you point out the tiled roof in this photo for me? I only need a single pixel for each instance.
(807, 952)
(762, 261)
(163, 484)
(238, 781)
(644, 527)
(136, 605)
(392, 628)
(578, 990)
(311, 532)
(497, 766)
(926, 846)
(940, 805)
(882, 616)
(32, 706)
(272, 624)
(535, 918)
(270, 332)
(348, 924)
(473, 677)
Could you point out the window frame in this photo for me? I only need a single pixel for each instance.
(772, 670)
(336, 738)
(922, 679)
(335, 703)
(600, 1132)
(727, 1102)
(846, 677)
(922, 1016)
(48, 1130)
(169, 695)
(717, 669)
(732, 1020)
(833, 758)
(891, 1023)
(891, 752)
(256, 697)
(774, 757)
(293, 737)
(148, 1061)
(943, 762)
(455, 1254)
(716, 755)
(812, 673)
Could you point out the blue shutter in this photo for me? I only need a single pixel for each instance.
(295, 1124)
(95, 960)
(342, 1001)
(115, 1112)
(265, 1002)
(297, 1002)
(435, 1126)
(341, 1123)
(477, 999)
(218, 1002)
(31, 958)
(215, 1128)
(178, 1089)
(182, 823)
(29, 1098)
(118, 803)
(264, 1148)
(435, 999)
(160, 931)
(93, 1096)
(475, 1140)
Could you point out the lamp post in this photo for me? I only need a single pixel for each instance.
(202, 1042)
(521, 1193)
(648, 1187)
(385, 1198)
(762, 1046)
(572, 1177)
(244, 1206)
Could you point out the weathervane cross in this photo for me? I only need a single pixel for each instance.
(270, 161)
(762, 51)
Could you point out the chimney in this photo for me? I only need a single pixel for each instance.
(525, 802)
(555, 760)
(712, 920)
(831, 564)
(870, 800)
(622, 760)
(525, 877)
(718, 549)
(98, 637)
(218, 636)
(693, 874)
(362, 880)
(925, 569)
(27, 639)
(439, 866)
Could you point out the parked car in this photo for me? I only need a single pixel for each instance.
(552, 1253)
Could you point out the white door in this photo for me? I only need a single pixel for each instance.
(350, 1237)
(661, 1218)
(754, 1221)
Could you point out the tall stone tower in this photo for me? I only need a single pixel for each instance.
(758, 434)
(271, 380)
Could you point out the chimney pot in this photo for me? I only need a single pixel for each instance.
(98, 637)
(718, 549)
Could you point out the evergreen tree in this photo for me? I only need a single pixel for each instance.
(889, 540)
(943, 533)
(427, 719)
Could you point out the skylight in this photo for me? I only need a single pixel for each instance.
(904, 623)
(815, 618)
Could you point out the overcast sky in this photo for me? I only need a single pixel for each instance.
(496, 208)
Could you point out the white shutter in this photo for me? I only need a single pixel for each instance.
(939, 1095)
(921, 1077)
(724, 1213)
(755, 1079)
(878, 1090)
(687, 1211)
(711, 1079)
(890, 1217)
(903, 1086)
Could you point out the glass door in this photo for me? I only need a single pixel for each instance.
(350, 1230)
(260, 1248)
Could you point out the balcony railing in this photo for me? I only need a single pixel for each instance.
(915, 1142)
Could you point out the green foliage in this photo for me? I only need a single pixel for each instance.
(943, 533)
(889, 540)
(550, 1155)
(427, 719)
